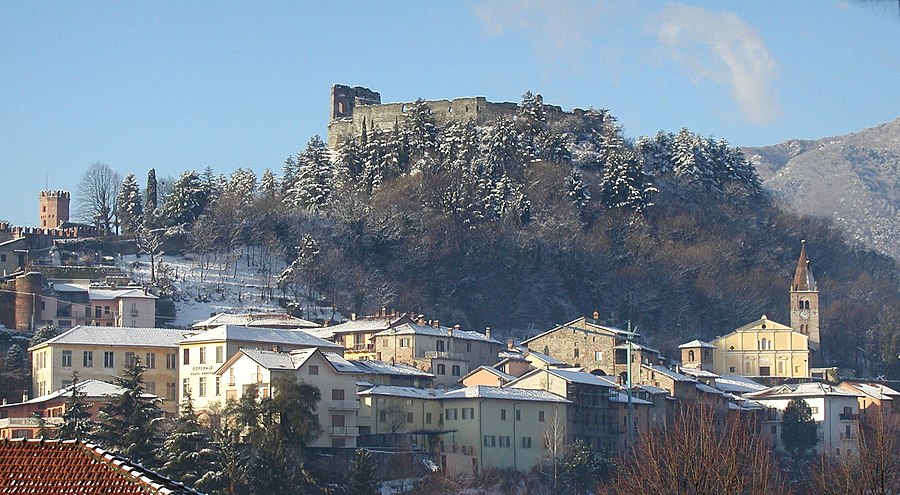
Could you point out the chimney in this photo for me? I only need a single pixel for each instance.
(487, 332)
(420, 320)
(383, 311)
(24, 396)
(509, 344)
(596, 315)
(436, 323)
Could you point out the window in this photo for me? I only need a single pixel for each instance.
(313, 369)
(490, 441)
(504, 442)
(171, 360)
(691, 356)
(428, 418)
(731, 369)
(109, 359)
(2, 257)
(518, 415)
(219, 354)
(129, 359)
(541, 416)
(439, 346)
(450, 414)
(455, 370)
(98, 312)
(404, 342)
(151, 387)
(185, 386)
(67, 359)
(575, 354)
(201, 390)
(150, 361)
(780, 367)
(106, 311)
(503, 415)
(765, 371)
(468, 413)
(186, 358)
(409, 417)
(171, 390)
(441, 369)
(598, 355)
(202, 355)
(218, 385)
(468, 347)
(382, 416)
(526, 442)
(337, 394)
(87, 359)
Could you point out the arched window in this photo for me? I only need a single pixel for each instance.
(690, 355)
(546, 351)
(764, 344)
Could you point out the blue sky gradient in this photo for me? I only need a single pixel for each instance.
(176, 86)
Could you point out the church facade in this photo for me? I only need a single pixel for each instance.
(766, 348)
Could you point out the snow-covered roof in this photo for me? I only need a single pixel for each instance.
(262, 320)
(262, 335)
(702, 387)
(119, 336)
(292, 360)
(494, 371)
(506, 393)
(622, 397)
(342, 365)
(697, 343)
(737, 384)
(678, 377)
(550, 361)
(571, 375)
(440, 331)
(875, 390)
(68, 287)
(588, 326)
(791, 390)
(652, 390)
(93, 389)
(698, 373)
(367, 324)
(636, 347)
(110, 294)
(408, 392)
(381, 368)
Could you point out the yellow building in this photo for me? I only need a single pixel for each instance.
(102, 353)
(761, 348)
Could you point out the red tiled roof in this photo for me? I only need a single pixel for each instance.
(54, 467)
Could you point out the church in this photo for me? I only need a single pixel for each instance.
(766, 348)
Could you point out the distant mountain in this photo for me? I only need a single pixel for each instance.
(853, 179)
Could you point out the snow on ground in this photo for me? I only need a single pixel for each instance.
(239, 287)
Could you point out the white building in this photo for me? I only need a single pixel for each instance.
(835, 411)
(333, 375)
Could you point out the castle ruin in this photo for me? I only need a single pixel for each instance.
(351, 106)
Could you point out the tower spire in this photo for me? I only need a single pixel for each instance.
(803, 277)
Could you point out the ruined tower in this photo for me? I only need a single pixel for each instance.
(54, 208)
(805, 304)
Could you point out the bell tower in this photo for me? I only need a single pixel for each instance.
(805, 304)
(54, 206)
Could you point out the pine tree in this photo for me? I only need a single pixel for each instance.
(15, 359)
(798, 428)
(187, 452)
(577, 191)
(151, 203)
(531, 122)
(420, 133)
(44, 333)
(348, 161)
(128, 422)
(584, 469)
(363, 476)
(241, 186)
(314, 180)
(459, 145)
(77, 415)
(234, 476)
(129, 205)
(501, 151)
(187, 201)
(624, 185)
(268, 185)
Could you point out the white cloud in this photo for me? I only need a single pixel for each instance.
(722, 47)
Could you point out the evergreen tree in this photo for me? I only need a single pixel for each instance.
(128, 422)
(584, 469)
(501, 152)
(798, 428)
(187, 452)
(44, 333)
(77, 415)
(624, 185)
(151, 202)
(420, 133)
(234, 476)
(241, 187)
(532, 123)
(577, 191)
(314, 180)
(15, 359)
(268, 185)
(348, 161)
(363, 476)
(129, 205)
(288, 174)
(187, 201)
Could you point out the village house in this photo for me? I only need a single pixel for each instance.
(835, 411)
(26, 419)
(103, 353)
(398, 374)
(356, 334)
(202, 353)
(448, 353)
(258, 320)
(874, 399)
(486, 375)
(396, 409)
(333, 375)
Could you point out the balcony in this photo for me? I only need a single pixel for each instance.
(343, 431)
(443, 355)
(362, 348)
(343, 405)
(848, 416)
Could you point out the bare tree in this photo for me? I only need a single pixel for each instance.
(555, 445)
(395, 417)
(700, 454)
(97, 193)
(150, 242)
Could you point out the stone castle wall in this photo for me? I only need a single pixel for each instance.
(347, 116)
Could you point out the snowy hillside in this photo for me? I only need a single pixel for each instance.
(208, 286)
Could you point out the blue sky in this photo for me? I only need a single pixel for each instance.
(183, 85)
